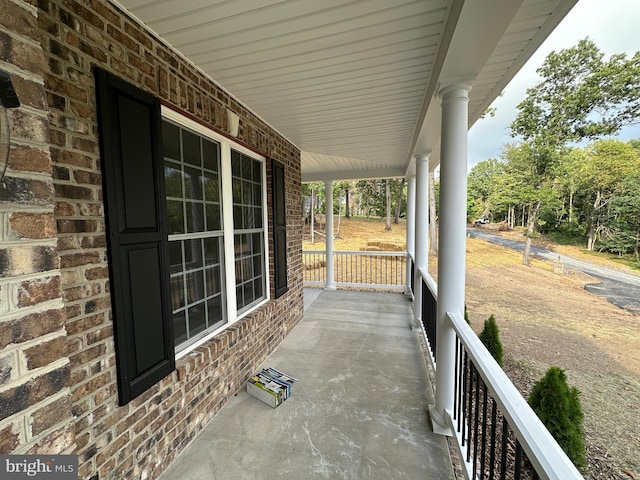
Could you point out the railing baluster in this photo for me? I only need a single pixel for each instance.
(484, 430)
(476, 423)
(470, 412)
(518, 469)
(492, 454)
(503, 459)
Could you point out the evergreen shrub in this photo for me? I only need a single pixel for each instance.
(558, 407)
(490, 337)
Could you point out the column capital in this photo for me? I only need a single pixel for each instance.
(423, 156)
(460, 85)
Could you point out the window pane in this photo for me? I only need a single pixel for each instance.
(211, 192)
(210, 155)
(211, 251)
(171, 140)
(237, 190)
(257, 287)
(247, 168)
(213, 281)
(175, 257)
(257, 216)
(214, 311)
(197, 319)
(192, 183)
(195, 217)
(213, 216)
(191, 148)
(173, 179)
(175, 217)
(177, 292)
(179, 328)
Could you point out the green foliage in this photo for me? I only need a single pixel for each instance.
(558, 407)
(481, 184)
(490, 337)
(466, 315)
(581, 95)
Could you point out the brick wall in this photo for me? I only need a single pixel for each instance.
(35, 400)
(141, 438)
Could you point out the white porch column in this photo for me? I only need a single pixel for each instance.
(411, 229)
(421, 233)
(329, 283)
(451, 244)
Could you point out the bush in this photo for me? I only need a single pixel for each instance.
(558, 407)
(466, 315)
(490, 337)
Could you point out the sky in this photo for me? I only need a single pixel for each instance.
(613, 25)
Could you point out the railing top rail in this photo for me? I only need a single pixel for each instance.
(542, 450)
(372, 253)
(428, 279)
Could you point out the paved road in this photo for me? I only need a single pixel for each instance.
(618, 287)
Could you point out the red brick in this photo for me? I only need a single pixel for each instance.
(8, 440)
(21, 54)
(90, 386)
(26, 191)
(33, 225)
(68, 157)
(50, 415)
(31, 327)
(35, 390)
(26, 159)
(22, 260)
(87, 355)
(45, 353)
(56, 442)
(32, 292)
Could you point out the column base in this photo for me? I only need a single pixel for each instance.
(408, 292)
(438, 423)
(330, 287)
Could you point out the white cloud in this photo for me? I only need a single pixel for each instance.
(612, 25)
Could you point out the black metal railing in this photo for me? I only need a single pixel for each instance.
(412, 270)
(429, 313)
(492, 449)
(499, 435)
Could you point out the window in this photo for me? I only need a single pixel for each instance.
(211, 284)
(192, 184)
(248, 229)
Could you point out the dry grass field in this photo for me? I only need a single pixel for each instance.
(549, 319)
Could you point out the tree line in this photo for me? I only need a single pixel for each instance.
(544, 181)
(589, 195)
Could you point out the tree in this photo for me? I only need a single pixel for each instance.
(490, 338)
(388, 204)
(481, 183)
(526, 183)
(558, 407)
(581, 96)
(609, 163)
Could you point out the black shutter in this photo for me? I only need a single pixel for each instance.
(133, 190)
(279, 229)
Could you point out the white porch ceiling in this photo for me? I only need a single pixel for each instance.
(352, 82)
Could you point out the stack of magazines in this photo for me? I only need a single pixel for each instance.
(271, 386)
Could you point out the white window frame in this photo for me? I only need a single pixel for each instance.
(226, 201)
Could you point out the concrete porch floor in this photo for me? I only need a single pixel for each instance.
(358, 410)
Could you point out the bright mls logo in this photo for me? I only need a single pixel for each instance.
(49, 467)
